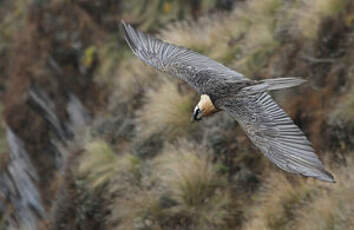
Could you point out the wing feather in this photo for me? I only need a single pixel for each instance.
(176, 60)
(276, 135)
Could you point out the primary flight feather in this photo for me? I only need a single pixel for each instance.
(245, 100)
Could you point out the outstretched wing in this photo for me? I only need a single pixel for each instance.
(275, 134)
(194, 68)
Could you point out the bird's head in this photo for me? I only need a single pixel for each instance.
(205, 107)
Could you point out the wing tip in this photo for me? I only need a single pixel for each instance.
(301, 81)
(320, 174)
(127, 33)
(327, 177)
(123, 22)
(124, 27)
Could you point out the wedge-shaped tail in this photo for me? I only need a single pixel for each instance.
(282, 83)
(273, 84)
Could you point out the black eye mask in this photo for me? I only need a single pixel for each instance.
(195, 115)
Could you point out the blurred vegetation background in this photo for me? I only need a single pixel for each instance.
(91, 138)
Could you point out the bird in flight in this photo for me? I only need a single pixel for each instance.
(246, 101)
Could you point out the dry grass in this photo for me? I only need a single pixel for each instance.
(276, 203)
(188, 33)
(341, 120)
(209, 35)
(259, 42)
(125, 183)
(109, 54)
(134, 195)
(149, 13)
(304, 204)
(168, 110)
(179, 187)
(139, 209)
(310, 14)
(344, 113)
(195, 185)
(100, 164)
(236, 36)
(135, 76)
(334, 207)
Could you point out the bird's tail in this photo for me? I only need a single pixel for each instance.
(281, 83)
(273, 84)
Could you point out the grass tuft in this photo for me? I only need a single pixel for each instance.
(168, 110)
(310, 14)
(333, 208)
(344, 113)
(195, 185)
(227, 38)
(276, 203)
(100, 164)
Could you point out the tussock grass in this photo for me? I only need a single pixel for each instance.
(100, 164)
(341, 120)
(310, 14)
(149, 13)
(134, 77)
(109, 55)
(127, 187)
(276, 203)
(305, 204)
(255, 49)
(195, 185)
(180, 186)
(188, 33)
(138, 209)
(344, 113)
(231, 37)
(168, 110)
(334, 207)
(134, 195)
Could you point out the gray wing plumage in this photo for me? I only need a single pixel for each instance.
(178, 61)
(276, 135)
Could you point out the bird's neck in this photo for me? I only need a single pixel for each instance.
(206, 105)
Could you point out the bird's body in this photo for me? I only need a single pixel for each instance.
(245, 100)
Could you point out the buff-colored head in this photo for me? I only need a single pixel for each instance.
(204, 108)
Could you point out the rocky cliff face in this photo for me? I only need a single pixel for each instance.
(91, 138)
